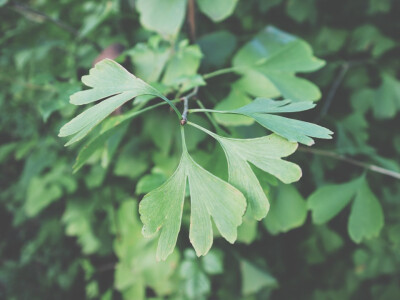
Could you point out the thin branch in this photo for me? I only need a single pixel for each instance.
(346, 66)
(351, 161)
(185, 110)
(332, 91)
(191, 19)
(185, 100)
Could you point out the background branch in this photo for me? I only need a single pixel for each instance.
(191, 19)
(332, 91)
(351, 161)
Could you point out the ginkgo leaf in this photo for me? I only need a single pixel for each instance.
(183, 65)
(161, 209)
(366, 217)
(235, 99)
(110, 80)
(101, 141)
(164, 17)
(263, 111)
(277, 57)
(217, 10)
(384, 101)
(265, 153)
(288, 210)
(255, 278)
(327, 201)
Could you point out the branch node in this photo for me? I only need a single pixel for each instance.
(185, 100)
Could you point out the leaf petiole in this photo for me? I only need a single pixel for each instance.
(206, 110)
(221, 72)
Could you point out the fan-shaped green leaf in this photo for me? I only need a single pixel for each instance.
(107, 79)
(326, 202)
(164, 17)
(288, 210)
(217, 10)
(277, 56)
(262, 110)
(161, 209)
(265, 153)
(366, 217)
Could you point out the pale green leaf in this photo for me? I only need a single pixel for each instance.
(293, 130)
(161, 209)
(327, 201)
(149, 59)
(330, 40)
(257, 85)
(265, 153)
(353, 134)
(99, 142)
(212, 263)
(130, 162)
(77, 220)
(301, 11)
(164, 17)
(234, 100)
(46, 189)
(288, 210)
(107, 78)
(263, 110)
(262, 105)
(217, 47)
(137, 269)
(183, 64)
(40, 194)
(217, 10)
(149, 182)
(384, 101)
(367, 38)
(366, 217)
(196, 284)
(277, 56)
(379, 6)
(212, 196)
(330, 240)
(254, 278)
(247, 231)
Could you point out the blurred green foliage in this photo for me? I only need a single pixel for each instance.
(333, 235)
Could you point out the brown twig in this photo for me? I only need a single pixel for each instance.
(191, 19)
(185, 100)
(351, 161)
